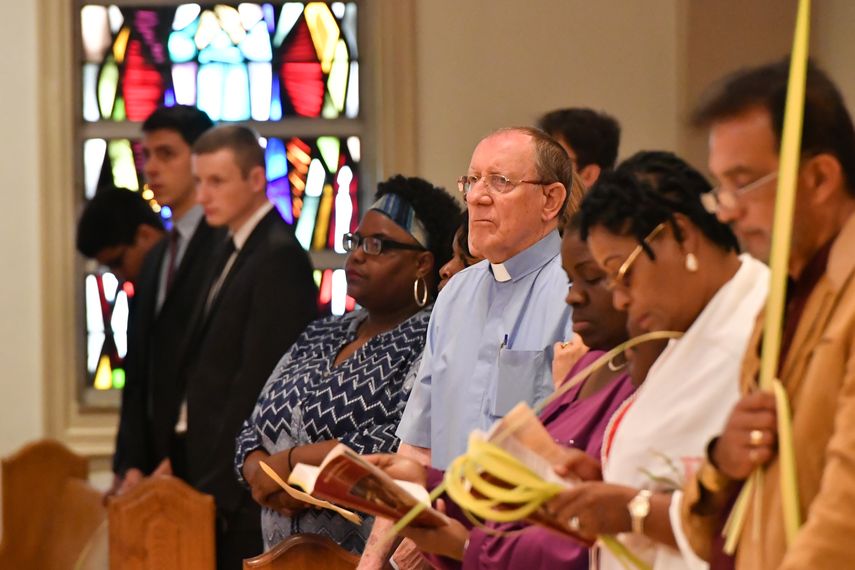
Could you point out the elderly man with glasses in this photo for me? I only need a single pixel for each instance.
(490, 338)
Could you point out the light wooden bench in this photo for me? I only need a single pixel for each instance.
(162, 524)
(49, 510)
(304, 552)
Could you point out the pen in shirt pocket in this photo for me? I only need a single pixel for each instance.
(504, 342)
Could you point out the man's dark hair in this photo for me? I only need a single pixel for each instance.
(242, 141)
(648, 189)
(187, 121)
(111, 218)
(438, 211)
(827, 123)
(593, 136)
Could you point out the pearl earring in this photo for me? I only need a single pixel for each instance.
(691, 263)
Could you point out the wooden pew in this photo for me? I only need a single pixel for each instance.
(162, 524)
(49, 509)
(304, 552)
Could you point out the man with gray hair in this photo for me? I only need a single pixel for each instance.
(489, 342)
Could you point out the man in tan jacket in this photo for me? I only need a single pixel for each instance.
(745, 114)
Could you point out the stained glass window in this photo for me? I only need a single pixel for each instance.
(313, 182)
(290, 70)
(106, 326)
(260, 62)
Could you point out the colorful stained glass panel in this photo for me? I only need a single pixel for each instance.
(106, 307)
(265, 62)
(313, 182)
(261, 61)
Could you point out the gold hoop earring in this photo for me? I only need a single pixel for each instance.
(421, 300)
(691, 263)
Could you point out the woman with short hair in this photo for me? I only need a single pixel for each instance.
(347, 379)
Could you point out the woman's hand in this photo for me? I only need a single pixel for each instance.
(448, 540)
(565, 355)
(399, 467)
(577, 464)
(591, 509)
(265, 491)
(749, 437)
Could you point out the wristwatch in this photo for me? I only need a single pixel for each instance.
(639, 508)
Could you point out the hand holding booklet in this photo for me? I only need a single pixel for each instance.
(521, 435)
(344, 478)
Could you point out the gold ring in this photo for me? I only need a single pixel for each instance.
(755, 437)
(564, 344)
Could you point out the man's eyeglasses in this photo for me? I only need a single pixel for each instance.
(721, 199)
(373, 245)
(620, 278)
(495, 182)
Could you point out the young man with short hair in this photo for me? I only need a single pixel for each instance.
(260, 297)
(118, 229)
(591, 139)
(171, 280)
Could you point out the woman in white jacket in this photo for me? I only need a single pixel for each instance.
(673, 267)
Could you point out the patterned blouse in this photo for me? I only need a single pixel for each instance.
(359, 402)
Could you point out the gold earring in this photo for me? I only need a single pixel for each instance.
(691, 263)
(421, 300)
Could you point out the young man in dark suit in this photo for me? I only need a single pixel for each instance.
(170, 283)
(260, 298)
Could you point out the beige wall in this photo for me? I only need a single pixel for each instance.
(719, 37)
(833, 44)
(485, 64)
(20, 254)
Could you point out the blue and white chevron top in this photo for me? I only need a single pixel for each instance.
(359, 402)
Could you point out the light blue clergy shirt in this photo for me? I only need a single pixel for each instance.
(489, 346)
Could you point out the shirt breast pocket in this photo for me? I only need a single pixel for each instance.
(518, 379)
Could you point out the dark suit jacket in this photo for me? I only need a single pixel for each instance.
(265, 302)
(151, 397)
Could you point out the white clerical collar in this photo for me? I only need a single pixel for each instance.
(500, 273)
(530, 259)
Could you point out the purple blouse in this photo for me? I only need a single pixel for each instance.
(573, 423)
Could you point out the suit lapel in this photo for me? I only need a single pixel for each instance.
(149, 282)
(813, 322)
(821, 306)
(256, 239)
(194, 250)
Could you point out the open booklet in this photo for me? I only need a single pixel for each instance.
(344, 478)
(521, 434)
